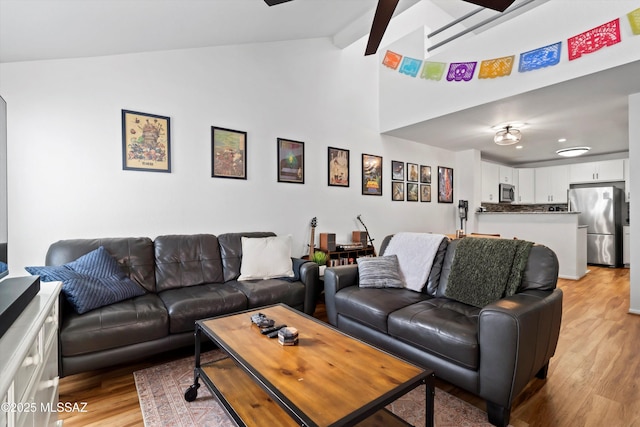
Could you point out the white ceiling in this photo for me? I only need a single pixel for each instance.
(589, 111)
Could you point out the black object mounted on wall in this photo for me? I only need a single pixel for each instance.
(463, 211)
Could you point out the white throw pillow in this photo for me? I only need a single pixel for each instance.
(266, 258)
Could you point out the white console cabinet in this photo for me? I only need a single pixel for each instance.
(29, 360)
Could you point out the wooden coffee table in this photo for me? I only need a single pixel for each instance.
(328, 379)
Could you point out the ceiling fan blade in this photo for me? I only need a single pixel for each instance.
(275, 2)
(384, 12)
(499, 5)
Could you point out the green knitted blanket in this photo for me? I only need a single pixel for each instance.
(486, 270)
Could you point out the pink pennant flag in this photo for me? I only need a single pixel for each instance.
(595, 39)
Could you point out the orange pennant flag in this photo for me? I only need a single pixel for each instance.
(498, 67)
(392, 60)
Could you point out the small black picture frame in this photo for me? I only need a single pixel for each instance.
(397, 191)
(413, 172)
(371, 175)
(338, 167)
(425, 174)
(397, 170)
(290, 161)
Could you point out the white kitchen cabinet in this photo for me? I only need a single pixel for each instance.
(551, 184)
(603, 171)
(490, 182)
(626, 244)
(627, 181)
(505, 175)
(526, 185)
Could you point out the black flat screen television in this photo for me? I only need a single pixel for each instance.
(4, 223)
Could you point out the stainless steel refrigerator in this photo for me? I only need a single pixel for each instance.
(601, 211)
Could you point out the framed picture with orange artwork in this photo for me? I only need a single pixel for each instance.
(146, 142)
(445, 184)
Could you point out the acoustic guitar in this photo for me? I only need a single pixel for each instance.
(312, 244)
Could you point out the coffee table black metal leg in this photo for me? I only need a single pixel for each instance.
(430, 393)
(192, 392)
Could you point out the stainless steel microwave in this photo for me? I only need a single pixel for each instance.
(507, 193)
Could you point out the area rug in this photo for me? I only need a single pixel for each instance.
(161, 393)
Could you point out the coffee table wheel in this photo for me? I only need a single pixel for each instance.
(191, 393)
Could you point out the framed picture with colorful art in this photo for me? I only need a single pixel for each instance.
(445, 185)
(371, 175)
(425, 192)
(290, 161)
(425, 174)
(397, 170)
(397, 191)
(338, 170)
(228, 153)
(146, 142)
(412, 172)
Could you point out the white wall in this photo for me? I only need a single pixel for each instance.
(634, 207)
(406, 101)
(65, 149)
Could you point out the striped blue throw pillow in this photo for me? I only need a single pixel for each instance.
(92, 281)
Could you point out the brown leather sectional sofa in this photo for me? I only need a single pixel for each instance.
(492, 351)
(187, 278)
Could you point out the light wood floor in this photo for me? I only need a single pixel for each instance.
(594, 377)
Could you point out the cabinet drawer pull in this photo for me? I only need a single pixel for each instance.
(31, 360)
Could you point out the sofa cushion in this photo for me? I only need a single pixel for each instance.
(187, 260)
(93, 280)
(271, 291)
(266, 258)
(541, 272)
(440, 326)
(186, 305)
(231, 252)
(133, 254)
(372, 306)
(139, 319)
(379, 272)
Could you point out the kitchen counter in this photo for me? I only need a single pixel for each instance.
(559, 231)
(530, 213)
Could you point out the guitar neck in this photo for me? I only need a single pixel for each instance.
(312, 242)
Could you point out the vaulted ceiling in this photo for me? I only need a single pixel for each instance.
(589, 111)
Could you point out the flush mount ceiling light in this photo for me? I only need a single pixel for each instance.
(572, 151)
(507, 136)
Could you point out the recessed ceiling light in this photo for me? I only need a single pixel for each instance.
(562, 140)
(518, 147)
(572, 151)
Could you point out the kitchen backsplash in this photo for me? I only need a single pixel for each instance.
(506, 207)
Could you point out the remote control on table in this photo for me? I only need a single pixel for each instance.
(273, 334)
(266, 331)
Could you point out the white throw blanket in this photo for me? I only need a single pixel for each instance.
(415, 252)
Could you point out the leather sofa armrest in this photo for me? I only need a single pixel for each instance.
(517, 337)
(336, 278)
(309, 275)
